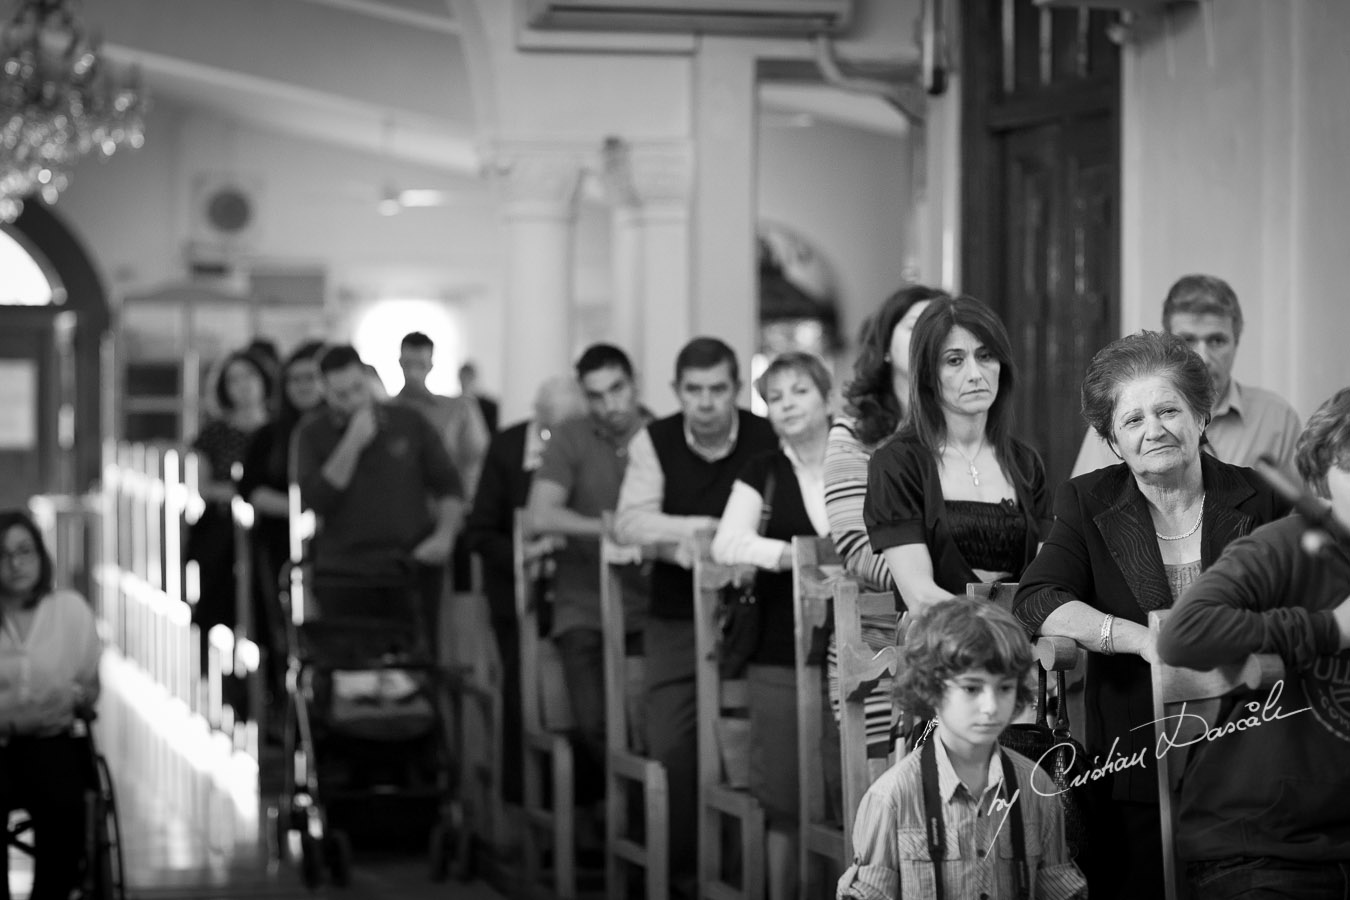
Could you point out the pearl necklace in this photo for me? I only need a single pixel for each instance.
(1194, 528)
(970, 460)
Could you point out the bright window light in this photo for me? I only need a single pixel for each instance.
(380, 327)
(24, 283)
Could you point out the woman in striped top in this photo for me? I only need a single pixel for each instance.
(876, 403)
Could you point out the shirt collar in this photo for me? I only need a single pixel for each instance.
(1231, 402)
(948, 781)
(716, 453)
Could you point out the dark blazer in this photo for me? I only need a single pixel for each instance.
(1103, 551)
(503, 487)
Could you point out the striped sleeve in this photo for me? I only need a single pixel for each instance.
(845, 487)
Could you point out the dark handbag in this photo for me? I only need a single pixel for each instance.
(1063, 759)
(738, 615)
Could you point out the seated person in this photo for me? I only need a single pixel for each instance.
(49, 652)
(965, 661)
(1283, 828)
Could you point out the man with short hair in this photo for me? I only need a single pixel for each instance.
(457, 419)
(578, 480)
(371, 472)
(680, 472)
(1246, 422)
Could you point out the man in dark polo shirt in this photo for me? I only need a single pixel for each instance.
(680, 472)
(578, 480)
(388, 499)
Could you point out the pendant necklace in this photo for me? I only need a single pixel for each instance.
(970, 460)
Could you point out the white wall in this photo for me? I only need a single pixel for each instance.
(847, 192)
(1233, 142)
(316, 206)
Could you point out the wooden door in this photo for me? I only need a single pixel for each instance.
(28, 445)
(1041, 201)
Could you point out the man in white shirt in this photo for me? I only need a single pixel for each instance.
(1246, 422)
(679, 475)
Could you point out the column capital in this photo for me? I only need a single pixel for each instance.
(653, 176)
(539, 179)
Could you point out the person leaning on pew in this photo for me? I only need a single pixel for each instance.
(1264, 810)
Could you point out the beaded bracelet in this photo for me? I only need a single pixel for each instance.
(1107, 644)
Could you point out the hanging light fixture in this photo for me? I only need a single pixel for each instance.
(59, 101)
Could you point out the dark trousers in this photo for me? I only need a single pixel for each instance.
(507, 632)
(1264, 878)
(47, 777)
(1125, 860)
(672, 739)
(583, 660)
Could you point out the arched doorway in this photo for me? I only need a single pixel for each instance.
(52, 324)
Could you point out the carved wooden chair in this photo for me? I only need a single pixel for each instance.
(627, 769)
(547, 754)
(1202, 693)
(823, 856)
(717, 700)
(860, 670)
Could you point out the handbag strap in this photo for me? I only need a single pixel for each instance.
(1043, 697)
(1063, 728)
(936, 830)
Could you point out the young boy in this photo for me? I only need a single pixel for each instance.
(960, 798)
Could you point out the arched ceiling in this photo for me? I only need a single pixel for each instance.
(388, 76)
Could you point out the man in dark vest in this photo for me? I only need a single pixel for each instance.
(680, 472)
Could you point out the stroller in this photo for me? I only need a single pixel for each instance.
(368, 736)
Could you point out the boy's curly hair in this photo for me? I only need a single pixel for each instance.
(953, 637)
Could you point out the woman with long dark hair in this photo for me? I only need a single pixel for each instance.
(263, 484)
(954, 498)
(876, 405)
(49, 653)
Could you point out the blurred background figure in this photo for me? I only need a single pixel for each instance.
(49, 654)
(468, 387)
(241, 396)
(508, 470)
(264, 484)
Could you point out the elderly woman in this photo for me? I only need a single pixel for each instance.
(777, 496)
(954, 498)
(49, 652)
(1129, 539)
(1268, 594)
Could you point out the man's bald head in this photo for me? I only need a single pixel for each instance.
(558, 400)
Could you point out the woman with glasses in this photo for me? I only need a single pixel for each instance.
(49, 652)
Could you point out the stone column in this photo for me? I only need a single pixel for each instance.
(539, 184)
(650, 185)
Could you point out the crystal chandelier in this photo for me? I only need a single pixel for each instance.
(58, 102)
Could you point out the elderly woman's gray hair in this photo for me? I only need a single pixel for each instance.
(1143, 355)
(1325, 442)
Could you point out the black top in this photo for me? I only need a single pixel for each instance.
(991, 536)
(1265, 594)
(503, 487)
(904, 505)
(1103, 551)
(695, 486)
(773, 590)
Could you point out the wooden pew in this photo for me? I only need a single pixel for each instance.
(860, 670)
(1202, 692)
(626, 768)
(547, 755)
(717, 799)
(822, 853)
